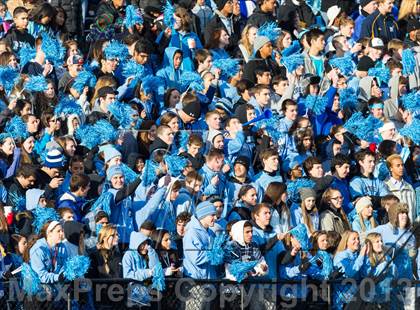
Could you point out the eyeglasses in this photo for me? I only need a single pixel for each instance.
(337, 198)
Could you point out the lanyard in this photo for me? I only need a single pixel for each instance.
(53, 258)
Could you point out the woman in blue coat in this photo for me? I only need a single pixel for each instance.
(47, 258)
(349, 261)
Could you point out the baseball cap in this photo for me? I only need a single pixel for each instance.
(332, 14)
(376, 43)
(192, 109)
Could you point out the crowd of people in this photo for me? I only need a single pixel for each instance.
(209, 139)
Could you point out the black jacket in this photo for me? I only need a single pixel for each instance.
(288, 12)
(259, 18)
(158, 144)
(252, 65)
(216, 23)
(97, 263)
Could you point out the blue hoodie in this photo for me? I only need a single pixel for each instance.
(69, 200)
(362, 186)
(41, 260)
(168, 71)
(297, 217)
(344, 188)
(122, 216)
(180, 41)
(135, 265)
(208, 188)
(196, 242)
(263, 179)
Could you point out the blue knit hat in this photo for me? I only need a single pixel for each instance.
(54, 159)
(110, 152)
(205, 208)
(112, 171)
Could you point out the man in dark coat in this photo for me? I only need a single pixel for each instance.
(295, 14)
(263, 14)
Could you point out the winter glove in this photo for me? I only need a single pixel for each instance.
(305, 264)
(7, 275)
(61, 277)
(336, 274)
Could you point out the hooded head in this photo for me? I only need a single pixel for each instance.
(169, 56)
(393, 212)
(365, 88)
(72, 231)
(136, 239)
(237, 232)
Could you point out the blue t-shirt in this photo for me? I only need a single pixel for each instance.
(318, 64)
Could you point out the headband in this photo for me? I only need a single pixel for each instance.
(52, 225)
(377, 106)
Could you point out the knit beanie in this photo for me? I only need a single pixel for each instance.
(306, 192)
(205, 208)
(54, 159)
(113, 171)
(259, 42)
(220, 4)
(110, 152)
(362, 203)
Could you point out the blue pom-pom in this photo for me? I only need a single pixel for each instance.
(83, 79)
(8, 78)
(31, 284)
(345, 64)
(149, 173)
(42, 216)
(151, 83)
(76, 267)
(103, 203)
(408, 61)
(327, 265)
(92, 135)
(411, 101)
(348, 99)
(168, 14)
(176, 164)
(216, 254)
(17, 128)
(229, 67)
(294, 186)
(17, 201)
(363, 128)
(123, 113)
(412, 131)
(116, 50)
(36, 83)
(316, 104)
(191, 80)
(53, 49)
(26, 53)
(292, 49)
(132, 69)
(4, 136)
(300, 233)
(270, 30)
(158, 280)
(382, 74)
(240, 269)
(292, 62)
(129, 174)
(132, 16)
(68, 106)
(182, 141)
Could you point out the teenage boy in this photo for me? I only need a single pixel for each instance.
(18, 36)
(189, 195)
(270, 162)
(193, 153)
(367, 7)
(75, 198)
(313, 59)
(164, 139)
(16, 186)
(365, 184)
(398, 186)
(261, 98)
(213, 177)
(197, 241)
(313, 169)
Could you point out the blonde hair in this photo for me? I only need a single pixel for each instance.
(244, 39)
(394, 45)
(306, 218)
(362, 222)
(407, 8)
(105, 232)
(374, 258)
(342, 246)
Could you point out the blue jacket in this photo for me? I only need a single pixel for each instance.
(196, 243)
(185, 202)
(237, 147)
(357, 225)
(208, 188)
(135, 265)
(41, 260)
(362, 186)
(269, 247)
(350, 263)
(180, 41)
(168, 72)
(380, 26)
(297, 217)
(358, 26)
(122, 216)
(263, 179)
(395, 238)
